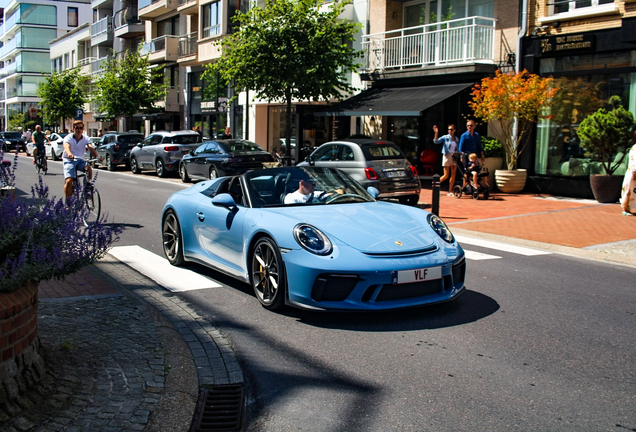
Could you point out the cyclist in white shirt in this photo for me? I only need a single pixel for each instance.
(75, 145)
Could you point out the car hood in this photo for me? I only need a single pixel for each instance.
(369, 227)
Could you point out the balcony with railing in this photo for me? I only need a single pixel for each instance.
(188, 49)
(188, 7)
(8, 69)
(162, 49)
(102, 31)
(8, 47)
(85, 65)
(102, 4)
(127, 23)
(448, 43)
(98, 65)
(149, 9)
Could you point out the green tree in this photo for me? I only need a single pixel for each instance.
(128, 86)
(605, 134)
(289, 49)
(20, 122)
(62, 94)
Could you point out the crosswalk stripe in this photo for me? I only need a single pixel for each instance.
(478, 256)
(499, 246)
(157, 268)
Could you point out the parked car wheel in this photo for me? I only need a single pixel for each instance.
(183, 173)
(213, 173)
(172, 244)
(268, 275)
(109, 163)
(134, 167)
(54, 156)
(160, 168)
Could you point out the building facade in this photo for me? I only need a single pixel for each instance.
(26, 31)
(589, 48)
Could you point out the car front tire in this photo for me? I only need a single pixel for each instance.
(134, 166)
(183, 173)
(268, 274)
(172, 240)
(213, 173)
(54, 155)
(109, 163)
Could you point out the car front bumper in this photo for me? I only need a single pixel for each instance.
(367, 284)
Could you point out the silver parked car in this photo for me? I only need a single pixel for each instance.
(371, 162)
(162, 151)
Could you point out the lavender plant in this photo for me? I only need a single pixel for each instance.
(43, 238)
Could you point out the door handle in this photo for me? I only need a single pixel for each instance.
(200, 216)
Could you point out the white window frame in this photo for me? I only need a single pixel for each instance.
(573, 12)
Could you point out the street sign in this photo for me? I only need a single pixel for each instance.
(79, 114)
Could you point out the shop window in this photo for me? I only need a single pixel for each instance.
(574, 6)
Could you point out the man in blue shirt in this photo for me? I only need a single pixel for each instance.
(470, 142)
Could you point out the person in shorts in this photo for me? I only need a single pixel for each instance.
(38, 139)
(450, 146)
(75, 145)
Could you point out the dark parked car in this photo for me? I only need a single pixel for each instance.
(114, 148)
(162, 151)
(12, 141)
(371, 162)
(219, 158)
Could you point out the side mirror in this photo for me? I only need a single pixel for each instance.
(225, 200)
(310, 160)
(374, 192)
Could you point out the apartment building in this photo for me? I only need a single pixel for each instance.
(26, 30)
(589, 47)
(421, 59)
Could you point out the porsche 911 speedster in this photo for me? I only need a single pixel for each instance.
(340, 249)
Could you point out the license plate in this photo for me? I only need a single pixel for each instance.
(393, 174)
(416, 275)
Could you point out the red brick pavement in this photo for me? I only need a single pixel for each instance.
(82, 283)
(574, 223)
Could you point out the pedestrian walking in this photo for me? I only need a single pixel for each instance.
(450, 146)
(470, 142)
(628, 195)
(227, 134)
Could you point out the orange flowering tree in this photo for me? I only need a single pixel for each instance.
(509, 97)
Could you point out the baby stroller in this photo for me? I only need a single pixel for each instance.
(471, 188)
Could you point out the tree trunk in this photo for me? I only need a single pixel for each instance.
(288, 130)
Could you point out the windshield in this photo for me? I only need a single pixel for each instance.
(382, 151)
(130, 139)
(187, 139)
(269, 187)
(240, 146)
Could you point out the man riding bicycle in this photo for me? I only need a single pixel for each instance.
(75, 145)
(38, 138)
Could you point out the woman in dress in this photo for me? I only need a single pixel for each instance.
(628, 196)
(450, 145)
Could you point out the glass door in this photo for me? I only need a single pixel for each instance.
(419, 43)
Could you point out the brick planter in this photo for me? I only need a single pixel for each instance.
(21, 365)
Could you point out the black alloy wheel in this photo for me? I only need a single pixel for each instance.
(213, 173)
(268, 274)
(172, 241)
(134, 166)
(183, 173)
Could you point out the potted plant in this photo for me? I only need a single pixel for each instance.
(511, 103)
(40, 238)
(494, 153)
(606, 135)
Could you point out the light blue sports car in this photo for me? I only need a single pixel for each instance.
(332, 246)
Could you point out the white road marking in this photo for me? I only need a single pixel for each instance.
(478, 256)
(499, 246)
(157, 268)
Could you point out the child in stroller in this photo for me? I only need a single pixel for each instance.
(475, 177)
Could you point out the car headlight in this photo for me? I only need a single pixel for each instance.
(312, 239)
(440, 228)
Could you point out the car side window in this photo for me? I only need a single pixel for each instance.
(147, 141)
(212, 148)
(347, 154)
(156, 139)
(326, 153)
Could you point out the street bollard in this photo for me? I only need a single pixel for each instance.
(436, 194)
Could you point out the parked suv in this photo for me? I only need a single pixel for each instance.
(162, 151)
(114, 148)
(12, 140)
(371, 162)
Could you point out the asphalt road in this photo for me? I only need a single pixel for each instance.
(536, 343)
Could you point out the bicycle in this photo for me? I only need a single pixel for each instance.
(40, 162)
(91, 196)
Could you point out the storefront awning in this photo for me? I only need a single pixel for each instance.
(407, 101)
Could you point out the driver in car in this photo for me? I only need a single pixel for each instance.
(307, 193)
